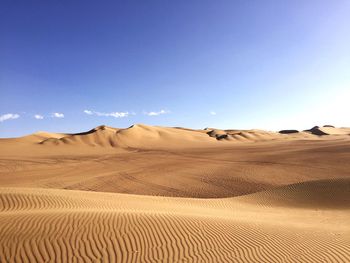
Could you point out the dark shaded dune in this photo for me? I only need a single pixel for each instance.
(328, 130)
(288, 131)
(317, 131)
(223, 137)
(216, 133)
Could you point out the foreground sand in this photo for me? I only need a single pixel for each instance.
(308, 222)
(153, 194)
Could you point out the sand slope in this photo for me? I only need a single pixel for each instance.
(40, 225)
(321, 194)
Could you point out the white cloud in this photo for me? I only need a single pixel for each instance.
(57, 115)
(119, 114)
(156, 113)
(109, 114)
(8, 116)
(38, 117)
(89, 112)
(212, 113)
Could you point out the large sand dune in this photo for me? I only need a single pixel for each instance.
(158, 194)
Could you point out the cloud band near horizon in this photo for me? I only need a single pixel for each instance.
(9, 116)
(108, 114)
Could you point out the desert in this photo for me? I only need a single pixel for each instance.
(163, 194)
(191, 131)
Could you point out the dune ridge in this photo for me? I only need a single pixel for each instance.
(139, 136)
(136, 136)
(76, 226)
(145, 136)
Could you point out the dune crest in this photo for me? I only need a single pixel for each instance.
(145, 136)
(136, 136)
(140, 136)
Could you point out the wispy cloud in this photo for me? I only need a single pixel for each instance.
(8, 116)
(89, 112)
(212, 113)
(38, 116)
(115, 114)
(156, 113)
(57, 115)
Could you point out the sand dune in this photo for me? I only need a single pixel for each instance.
(58, 225)
(329, 130)
(100, 136)
(136, 136)
(104, 139)
(159, 194)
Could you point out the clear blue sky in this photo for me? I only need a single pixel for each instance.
(229, 64)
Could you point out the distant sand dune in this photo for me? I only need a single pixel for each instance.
(155, 137)
(136, 136)
(68, 226)
(140, 136)
(329, 130)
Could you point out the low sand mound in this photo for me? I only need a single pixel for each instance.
(40, 225)
(33, 138)
(27, 145)
(288, 131)
(242, 135)
(321, 194)
(254, 135)
(335, 131)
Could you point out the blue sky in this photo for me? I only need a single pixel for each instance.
(226, 64)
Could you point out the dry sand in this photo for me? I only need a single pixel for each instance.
(157, 194)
